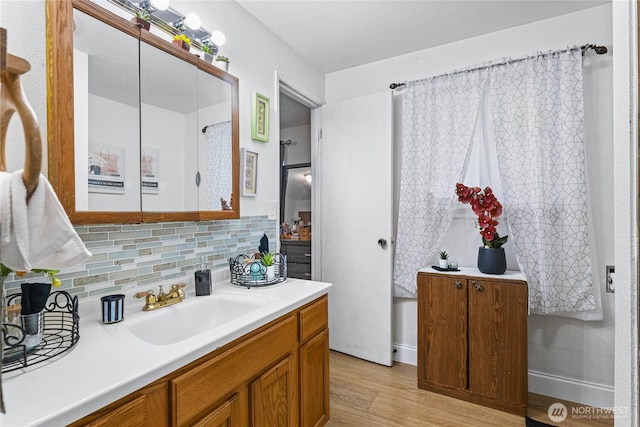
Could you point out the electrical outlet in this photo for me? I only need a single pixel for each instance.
(610, 277)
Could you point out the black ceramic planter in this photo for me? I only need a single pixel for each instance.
(492, 261)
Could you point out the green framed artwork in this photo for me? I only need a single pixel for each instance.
(260, 118)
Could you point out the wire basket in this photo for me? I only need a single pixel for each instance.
(60, 332)
(251, 273)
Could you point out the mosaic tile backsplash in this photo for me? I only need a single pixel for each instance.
(129, 255)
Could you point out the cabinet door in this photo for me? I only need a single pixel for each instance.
(225, 415)
(498, 340)
(314, 380)
(442, 331)
(272, 396)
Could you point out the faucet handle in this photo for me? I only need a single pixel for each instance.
(178, 286)
(143, 294)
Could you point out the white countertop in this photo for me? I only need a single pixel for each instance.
(103, 367)
(474, 272)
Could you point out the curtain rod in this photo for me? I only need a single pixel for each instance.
(600, 50)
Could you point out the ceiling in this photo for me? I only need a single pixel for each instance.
(292, 113)
(339, 34)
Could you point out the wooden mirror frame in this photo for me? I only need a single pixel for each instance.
(60, 114)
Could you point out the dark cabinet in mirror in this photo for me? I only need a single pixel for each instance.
(150, 129)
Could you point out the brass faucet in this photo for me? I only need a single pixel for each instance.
(153, 301)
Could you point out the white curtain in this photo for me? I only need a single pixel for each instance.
(537, 110)
(219, 171)
(439, 122)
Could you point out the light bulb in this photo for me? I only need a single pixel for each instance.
(308, 177)
(160, 4)
(192, 21)
(217, 37)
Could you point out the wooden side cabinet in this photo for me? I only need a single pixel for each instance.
(472, 339)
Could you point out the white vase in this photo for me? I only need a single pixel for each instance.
(444, 263)
(271, 272)
(223, 65)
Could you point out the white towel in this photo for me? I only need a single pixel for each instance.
(41, 235)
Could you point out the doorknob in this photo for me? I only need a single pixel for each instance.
(382, 242)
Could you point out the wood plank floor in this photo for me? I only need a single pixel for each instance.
(365, 394)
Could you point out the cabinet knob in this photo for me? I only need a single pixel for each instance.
(478, 286)
(458, 284)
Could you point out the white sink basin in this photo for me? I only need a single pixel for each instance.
(193, 316)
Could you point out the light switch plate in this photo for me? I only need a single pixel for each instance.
(271, 209)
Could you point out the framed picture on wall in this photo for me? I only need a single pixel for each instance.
(260, 118)
(249, 163)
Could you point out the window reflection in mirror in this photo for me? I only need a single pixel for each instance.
(214, 143)
(168, 118)
(106, 117)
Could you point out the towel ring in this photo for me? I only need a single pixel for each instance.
(13, 99)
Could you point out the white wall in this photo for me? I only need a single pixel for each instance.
(578, 354)
(301, 151)
(27, 41)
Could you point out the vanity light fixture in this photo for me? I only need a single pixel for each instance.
(192, 21)
(218, 37)
(307, 176)
(174, 23)
(160, 4)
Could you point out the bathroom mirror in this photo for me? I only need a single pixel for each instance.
(295, 193)
(168, 131)
(134, 119)
(107, 156)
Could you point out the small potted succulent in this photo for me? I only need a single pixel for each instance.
(208, 53)
(222, 62)
(268, 260)
(443, 262)
(182, 41)
(142, 19)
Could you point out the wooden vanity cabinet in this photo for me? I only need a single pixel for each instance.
(472, 339)
(148, 406)
(314, 364)
(277, 375)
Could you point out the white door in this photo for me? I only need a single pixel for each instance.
(356, 212)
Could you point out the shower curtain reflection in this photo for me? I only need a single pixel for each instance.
(218, 183)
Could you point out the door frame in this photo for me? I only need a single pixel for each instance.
(316, 169)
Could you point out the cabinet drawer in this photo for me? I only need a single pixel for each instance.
(314, 318)
(299, 271)
(298, 253)
(216, 377)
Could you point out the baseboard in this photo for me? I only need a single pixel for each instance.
(405, 354)
(583, 392)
